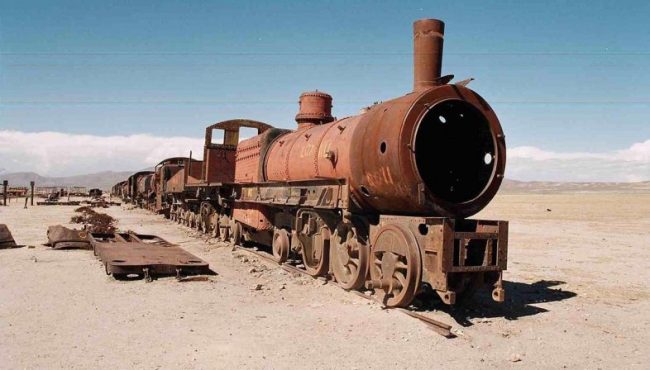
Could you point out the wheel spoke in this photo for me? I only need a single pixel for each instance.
(401, 266)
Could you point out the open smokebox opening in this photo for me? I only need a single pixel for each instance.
(454, 151)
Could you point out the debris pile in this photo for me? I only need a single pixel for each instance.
(94, 221)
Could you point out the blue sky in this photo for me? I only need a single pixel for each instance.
(563, 76)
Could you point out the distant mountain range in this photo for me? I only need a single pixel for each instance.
(102, 180)
(105, 180)
(514, 186)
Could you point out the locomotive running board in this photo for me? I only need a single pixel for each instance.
(324, 193)
(125, 254)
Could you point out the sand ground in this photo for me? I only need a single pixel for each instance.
(577, 297)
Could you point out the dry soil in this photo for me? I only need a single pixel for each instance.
(577, 297)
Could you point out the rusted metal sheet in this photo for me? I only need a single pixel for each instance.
(6, 239)
(248, 160)
(176, 183)
(254, 215)
(60, 237)
(129, 253)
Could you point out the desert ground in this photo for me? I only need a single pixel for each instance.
(577, 297)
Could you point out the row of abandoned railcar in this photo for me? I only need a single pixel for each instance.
(378, 201)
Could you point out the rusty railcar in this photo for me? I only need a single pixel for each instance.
(136, 185)
(161, 187)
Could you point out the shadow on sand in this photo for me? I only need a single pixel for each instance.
(520, 298)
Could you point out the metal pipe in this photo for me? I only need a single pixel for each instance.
(428, 36)
(5, 183)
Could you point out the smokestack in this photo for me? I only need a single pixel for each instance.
(428, 35)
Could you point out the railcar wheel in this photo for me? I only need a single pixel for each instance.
(214, 221)
(315, 251)
(235, 232)
(280, 245)
(224, 229)
(396, 268)
(349, 257)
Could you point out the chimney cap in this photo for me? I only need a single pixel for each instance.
(315, 108)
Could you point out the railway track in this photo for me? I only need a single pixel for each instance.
(435, 325)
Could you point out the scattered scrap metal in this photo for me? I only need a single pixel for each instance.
(144, 256)
(100, 203)
(60, 237)
(6, 239)
(94, 221)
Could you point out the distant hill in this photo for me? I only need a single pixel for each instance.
(514, 186)
(102, 180)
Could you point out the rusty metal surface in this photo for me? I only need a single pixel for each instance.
(132, 184)
(315, 109)
(395, 265)
(6, 239)
(428, 37)
(457, 256)
(163, 173)
(147, 255)
(349, 256)
(219, 158)
(325, 194)
(60, 237)
(254, 215)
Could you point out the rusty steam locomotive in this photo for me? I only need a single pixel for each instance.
(379, 200)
